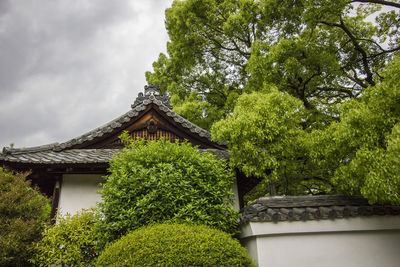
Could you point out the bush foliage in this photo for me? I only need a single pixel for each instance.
(71, 242)
(175, 245)
(158, 181)
(23, 214)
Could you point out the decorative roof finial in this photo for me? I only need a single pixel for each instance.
(151, 92)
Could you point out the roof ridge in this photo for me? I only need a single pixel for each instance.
(301, 208)
(313, 200)
(9, 150)
(99, 131)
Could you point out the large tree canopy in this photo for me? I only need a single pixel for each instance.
(322, 52)
(297, 88)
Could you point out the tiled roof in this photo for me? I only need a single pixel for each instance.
(64, 152)
(70, 156)
(300, 208)
(77, 156)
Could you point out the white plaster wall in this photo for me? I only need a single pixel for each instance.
(79, 191)
(362, 241)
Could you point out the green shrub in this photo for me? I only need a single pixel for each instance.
(175, 245)
(70, 242)
(159, 181)
(23, 214)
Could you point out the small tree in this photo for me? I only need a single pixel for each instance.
(23, 214)
(158, 181)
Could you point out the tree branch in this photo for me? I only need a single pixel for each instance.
(384, 52)
(354, 78)
(357, 47)
(385, 3)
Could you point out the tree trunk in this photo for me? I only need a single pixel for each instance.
(272, 189)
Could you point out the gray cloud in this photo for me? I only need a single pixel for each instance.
(67, 67)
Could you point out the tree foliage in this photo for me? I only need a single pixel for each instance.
(175, 245)
(322, 53)
(23, 215)
(361, 152)
(158, 181)
(266, 140)
(357, 155)
(70, 242)
(262, 132)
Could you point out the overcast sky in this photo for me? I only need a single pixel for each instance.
(69, 66)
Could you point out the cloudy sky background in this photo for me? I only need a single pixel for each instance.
(67, 67)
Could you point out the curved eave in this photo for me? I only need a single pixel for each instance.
(77, 156)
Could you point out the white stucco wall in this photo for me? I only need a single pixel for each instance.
(361, 241)
(79, 191)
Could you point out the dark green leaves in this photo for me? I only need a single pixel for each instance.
(23, 215)
(157, 181)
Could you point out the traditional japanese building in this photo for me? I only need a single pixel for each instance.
(71, 172)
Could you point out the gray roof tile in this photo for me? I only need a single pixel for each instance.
(79, 156)
(302, 208)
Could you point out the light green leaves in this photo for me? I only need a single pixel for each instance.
(263, 133)
(71, 242)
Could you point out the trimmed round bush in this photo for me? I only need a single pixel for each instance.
(175, 245)
(159, 181)
(23, 215)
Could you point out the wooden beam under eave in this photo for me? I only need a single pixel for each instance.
(55, 198)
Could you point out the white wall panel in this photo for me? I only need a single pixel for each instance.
(79, 191)
(361, 241)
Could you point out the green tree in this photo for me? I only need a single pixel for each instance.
(23, 215)
(158, 181)
(323, 52)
